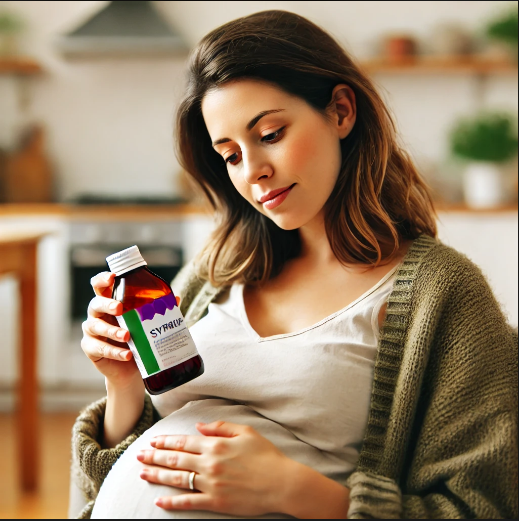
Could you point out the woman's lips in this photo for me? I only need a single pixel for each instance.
(279, 197)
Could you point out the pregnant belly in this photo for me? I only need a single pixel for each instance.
(124, 495)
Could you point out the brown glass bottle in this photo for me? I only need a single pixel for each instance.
(135, 289)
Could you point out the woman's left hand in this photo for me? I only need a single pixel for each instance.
(238, 471)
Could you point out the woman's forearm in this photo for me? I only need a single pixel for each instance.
(310, 495)
(124, 407)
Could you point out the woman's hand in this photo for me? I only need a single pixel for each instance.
(104, 342)
(238, 471)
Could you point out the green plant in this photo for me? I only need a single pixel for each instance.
(489, 136)
(505, 27)
(10, 23)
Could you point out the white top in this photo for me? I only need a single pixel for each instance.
(308, 392)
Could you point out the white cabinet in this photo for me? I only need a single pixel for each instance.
(491, 241)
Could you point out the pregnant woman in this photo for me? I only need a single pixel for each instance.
(355, 365)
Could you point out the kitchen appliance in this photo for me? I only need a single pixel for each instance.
(123, 28)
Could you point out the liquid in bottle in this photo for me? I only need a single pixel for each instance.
(160, 340)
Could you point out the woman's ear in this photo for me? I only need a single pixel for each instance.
(343, 109)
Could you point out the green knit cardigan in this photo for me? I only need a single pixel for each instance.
(441, 440)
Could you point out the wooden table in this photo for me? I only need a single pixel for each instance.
(18, 255)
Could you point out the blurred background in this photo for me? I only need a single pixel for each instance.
(88, 91)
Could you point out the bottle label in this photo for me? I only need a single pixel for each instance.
(159, 336)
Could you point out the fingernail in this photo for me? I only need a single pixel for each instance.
(140, 457)
(121, 333)
(159, 502)
(143, 474)
(113, 306)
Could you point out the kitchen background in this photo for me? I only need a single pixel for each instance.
(86, 156)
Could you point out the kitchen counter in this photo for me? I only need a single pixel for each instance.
(131, 211)
(118, 211)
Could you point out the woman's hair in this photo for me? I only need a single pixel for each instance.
(379, 198)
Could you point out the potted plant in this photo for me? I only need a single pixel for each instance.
(10, 26)
(486, 142)
(504, 30)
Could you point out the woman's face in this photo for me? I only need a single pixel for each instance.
(282, 155)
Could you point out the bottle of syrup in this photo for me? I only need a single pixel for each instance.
(160, 341)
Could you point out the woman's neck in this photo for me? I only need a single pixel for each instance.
(315, 246)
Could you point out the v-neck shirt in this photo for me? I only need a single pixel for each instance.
(315, 382)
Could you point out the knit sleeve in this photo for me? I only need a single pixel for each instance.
(460, 454)
(90, 462)
(186, 285)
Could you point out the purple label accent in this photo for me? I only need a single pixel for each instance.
(158, 306)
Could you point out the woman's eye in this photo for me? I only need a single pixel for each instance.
(274, 137)
(233, 159)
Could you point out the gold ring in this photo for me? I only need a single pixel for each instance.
(192, 480)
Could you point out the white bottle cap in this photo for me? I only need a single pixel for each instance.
(125, 260)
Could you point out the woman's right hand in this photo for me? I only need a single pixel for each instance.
(104, 342)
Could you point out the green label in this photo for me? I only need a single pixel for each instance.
(142, 345)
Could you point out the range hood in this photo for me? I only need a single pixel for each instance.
(122, 28)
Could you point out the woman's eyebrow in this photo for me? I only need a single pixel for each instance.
(250, 125)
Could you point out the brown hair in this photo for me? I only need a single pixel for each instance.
(379, 198)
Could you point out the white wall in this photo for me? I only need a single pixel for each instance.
(109, 121)
(491, 241)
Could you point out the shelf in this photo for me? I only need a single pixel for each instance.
(463, 208)
(419, 65)
(20, 66)
(441, 65)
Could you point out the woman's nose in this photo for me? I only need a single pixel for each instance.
(255, 169)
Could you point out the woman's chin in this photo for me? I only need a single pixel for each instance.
(292, 220)
(287, 223)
